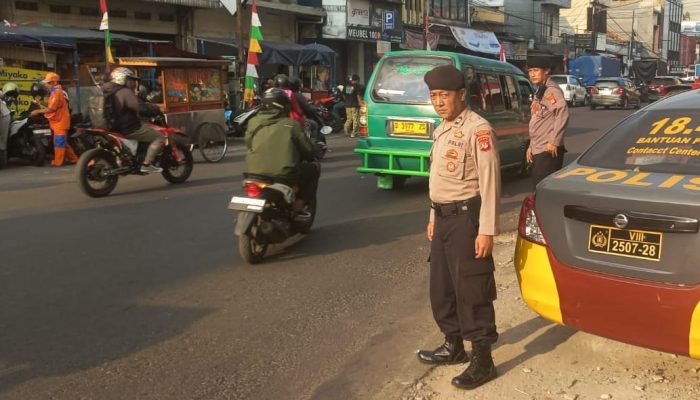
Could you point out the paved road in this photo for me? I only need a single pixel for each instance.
(142, 294)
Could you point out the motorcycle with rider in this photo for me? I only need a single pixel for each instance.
(281, 179)
(126, 146)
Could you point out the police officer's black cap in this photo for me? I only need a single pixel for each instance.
(444, 77)
(539, 62)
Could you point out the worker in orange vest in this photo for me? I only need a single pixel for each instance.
(58, 114)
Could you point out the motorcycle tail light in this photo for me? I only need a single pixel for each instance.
(253, 189)
(363, 120)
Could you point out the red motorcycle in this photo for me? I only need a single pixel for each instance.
(113, 155)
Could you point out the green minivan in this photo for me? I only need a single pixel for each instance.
(397, 119)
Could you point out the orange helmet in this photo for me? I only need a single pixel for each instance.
(52, 77)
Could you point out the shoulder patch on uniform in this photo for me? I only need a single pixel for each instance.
(484, 143)
(551, 98)
(483, 132)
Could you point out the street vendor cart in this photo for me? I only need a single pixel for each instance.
(192, 97)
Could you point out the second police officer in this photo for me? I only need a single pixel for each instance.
(550, 116)
(465, 188)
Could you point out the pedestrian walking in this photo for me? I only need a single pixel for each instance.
(550, 116)
(465, 191)
(354, 92)
(58, 114)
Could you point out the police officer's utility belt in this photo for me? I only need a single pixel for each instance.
(457, 207)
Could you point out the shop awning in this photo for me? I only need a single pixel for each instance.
(293, 8)
(272, 52)
(66, 37)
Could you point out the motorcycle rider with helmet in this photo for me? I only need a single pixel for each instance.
(127, 108)
(10, 93)
(277, 147)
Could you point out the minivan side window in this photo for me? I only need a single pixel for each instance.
(511, 92)
(495, 94)
(525, 93)
(477, 97)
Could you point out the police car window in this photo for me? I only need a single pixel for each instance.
(400, 79)
(495, 94)
(572, 81)
(660, 141)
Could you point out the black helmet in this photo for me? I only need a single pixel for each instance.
(275, 98)
(353, 77)
(37, 89)
(295, 84)
(282, 82)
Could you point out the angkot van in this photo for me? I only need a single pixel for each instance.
(397, 119)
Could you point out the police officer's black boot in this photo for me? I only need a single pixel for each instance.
(480, 370)
(450, 352)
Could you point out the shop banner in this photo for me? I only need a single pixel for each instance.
(335, 26)
(481, 41)
(24, 79)
(358, 12)
(415, 41)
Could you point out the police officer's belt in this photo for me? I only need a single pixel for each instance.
(456, 208)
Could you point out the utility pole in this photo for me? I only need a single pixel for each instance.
(239, 22)
(629, 54)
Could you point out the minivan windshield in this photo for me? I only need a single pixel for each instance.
(400, 79)
(660, 141)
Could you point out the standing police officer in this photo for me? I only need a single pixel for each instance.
(465, 190)
(550, 116)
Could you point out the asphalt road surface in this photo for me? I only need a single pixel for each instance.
(142, 295)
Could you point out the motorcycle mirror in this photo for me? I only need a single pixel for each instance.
(326, 130)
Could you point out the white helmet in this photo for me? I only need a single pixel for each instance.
(10, 89)
(119, 75)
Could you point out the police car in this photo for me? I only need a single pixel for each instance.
(609, 245)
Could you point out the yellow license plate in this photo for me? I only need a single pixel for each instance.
(409, 128)
(625, 242)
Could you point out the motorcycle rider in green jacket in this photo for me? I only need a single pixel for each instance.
(278, 147)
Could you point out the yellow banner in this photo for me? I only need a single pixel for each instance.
(23, 78)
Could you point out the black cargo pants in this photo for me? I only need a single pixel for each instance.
(462, 288)
(543, 164)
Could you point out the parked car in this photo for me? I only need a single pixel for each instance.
(659, 86)
(615, 92)
(609, 245)
(573, 88)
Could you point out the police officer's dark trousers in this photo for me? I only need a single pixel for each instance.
(543, 164)
(462, 288)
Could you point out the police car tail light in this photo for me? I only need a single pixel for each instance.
(363, 120)
(253, 189)
(594, 90)
(528, 227)
(620, 90)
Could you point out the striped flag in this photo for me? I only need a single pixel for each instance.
(104, 26)
(251, 73)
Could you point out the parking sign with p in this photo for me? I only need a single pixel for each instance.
(388, 19)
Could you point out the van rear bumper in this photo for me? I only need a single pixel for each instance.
(394, 162)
